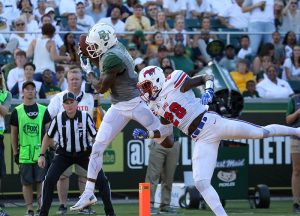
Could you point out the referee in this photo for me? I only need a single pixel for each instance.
(74, 127)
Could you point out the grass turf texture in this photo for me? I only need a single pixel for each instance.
(277, 208)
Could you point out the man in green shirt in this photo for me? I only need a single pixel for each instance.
(28, 123)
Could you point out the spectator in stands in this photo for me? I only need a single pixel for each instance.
(139, 40)
(9, 10)
(278, 14)
(28, 17)
(166, 62)
(245, 51)
(130, 4)
(162, 53)
(156, 41)
(206, 27)
(151, 12)
(197, 9)
(84, 22)
(44, 52)
(51, 12)
(5, 21)
(242, 75)
(292, 65)
(17, 74)
(57, 39)
(251, 90)
(97, 10)
(16, 90)
(289, 41)
(181, 61)
(60, 76)
(139, 64)
(70, 48)
(261, 20)
(23, 40)
(115, 20)
(137, 21)
(161, 25)
(229, 61)
(179, 27)
(133, 51)
(233, 17)
(267, 49)
(72, 26)
(279, 53)
(50, 89)
(124, 10)
(173, 8)
(66, 7)
(293, 119)
(40, 10)
(272, 86)
(217, 6)
(291, 17)
(7, 67)
(22, 4)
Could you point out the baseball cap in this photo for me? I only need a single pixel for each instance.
(162, 48)
(138, 61)
(26, 83)
(229, 46)
(69, 96)
(131, 46)
(49, 9)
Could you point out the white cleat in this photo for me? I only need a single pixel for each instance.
(86, 199)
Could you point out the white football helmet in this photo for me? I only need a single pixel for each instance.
(101, 37)
(151, 81)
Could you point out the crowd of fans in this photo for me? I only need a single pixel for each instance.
(42, 36)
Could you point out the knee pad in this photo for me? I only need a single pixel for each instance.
(202, 185)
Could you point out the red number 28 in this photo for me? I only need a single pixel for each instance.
(177, 110)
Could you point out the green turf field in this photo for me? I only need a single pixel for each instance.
(282, 208)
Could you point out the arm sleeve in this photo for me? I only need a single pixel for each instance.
(91, 126)
(14, 118)
(112, 63)
(52, 128)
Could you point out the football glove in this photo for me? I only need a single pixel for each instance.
(140, 134)
(85, 64)
(207, 96)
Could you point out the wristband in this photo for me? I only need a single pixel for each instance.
(42, 155)
(209, 84)
(151, 134)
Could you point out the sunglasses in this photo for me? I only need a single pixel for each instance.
(20, 24)
(30, 12)
(152, 9)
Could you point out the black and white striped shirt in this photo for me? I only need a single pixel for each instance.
(73, 134)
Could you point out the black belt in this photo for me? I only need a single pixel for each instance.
(197, 125)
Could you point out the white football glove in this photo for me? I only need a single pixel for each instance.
(85, 66)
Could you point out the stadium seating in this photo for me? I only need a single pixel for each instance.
(192, 24)
(295, 84)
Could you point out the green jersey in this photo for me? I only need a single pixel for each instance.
(117, 58)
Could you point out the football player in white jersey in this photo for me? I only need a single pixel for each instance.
(172, 99)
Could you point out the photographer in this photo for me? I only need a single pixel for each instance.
(85, 103)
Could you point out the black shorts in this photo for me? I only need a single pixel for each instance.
(2, 161)
(31, 173)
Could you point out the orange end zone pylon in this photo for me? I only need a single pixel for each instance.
(144, 199)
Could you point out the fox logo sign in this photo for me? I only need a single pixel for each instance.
(31, 129)
(151, 71)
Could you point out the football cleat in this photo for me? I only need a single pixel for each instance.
(86, 199)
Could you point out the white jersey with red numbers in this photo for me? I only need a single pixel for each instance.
(177, 107)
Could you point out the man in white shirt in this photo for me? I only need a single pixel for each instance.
(219, 6)
(233, 16)
(115, 20)
(261, 20)
(17, 74)
(198, 8)
(84, 22)
(173, 8)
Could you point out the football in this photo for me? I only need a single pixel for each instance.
(83, 47)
